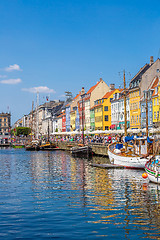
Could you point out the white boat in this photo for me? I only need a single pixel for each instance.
(131, 156)
(152, 168)
(128, 159)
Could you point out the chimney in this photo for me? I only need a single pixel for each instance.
(82, 91)
(151, 60)
(112, 86)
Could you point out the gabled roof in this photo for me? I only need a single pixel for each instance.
(93, 87)
(154, 85)
(108, 94)
(97, 105)
(140, 73)
(77, 96)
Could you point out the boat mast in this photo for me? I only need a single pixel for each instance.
(146, 115)
(32, 121)
(125, 111)
(82, 121)
(37, 116)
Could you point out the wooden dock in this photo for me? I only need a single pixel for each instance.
(107, 166)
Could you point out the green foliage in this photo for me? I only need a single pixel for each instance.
(56, 130)
(22, 131)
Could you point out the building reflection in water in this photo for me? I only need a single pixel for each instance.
(114, 196)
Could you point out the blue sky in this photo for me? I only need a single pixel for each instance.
(69, 44)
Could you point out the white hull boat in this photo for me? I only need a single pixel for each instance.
(152, 168)
(126, 159)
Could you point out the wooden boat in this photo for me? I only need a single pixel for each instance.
(47, 145)
(81, 151)
(130, 156)
(152, 168)
(33, 146)
(16, 145)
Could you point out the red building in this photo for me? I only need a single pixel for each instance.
(64, 122)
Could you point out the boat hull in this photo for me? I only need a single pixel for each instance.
(153, 172)
(85, 151)
(18, 146)
(128, 162)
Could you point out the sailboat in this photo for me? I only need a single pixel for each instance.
(131, 156)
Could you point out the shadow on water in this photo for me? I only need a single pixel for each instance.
(53, 195)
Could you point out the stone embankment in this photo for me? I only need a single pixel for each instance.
(97, 148)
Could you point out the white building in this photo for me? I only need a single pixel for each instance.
(117, 111)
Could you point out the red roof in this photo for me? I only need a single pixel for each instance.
(108, 94)
(87, 98)
(155, 84)
(93, 87)
(100, 104)
(77, 95)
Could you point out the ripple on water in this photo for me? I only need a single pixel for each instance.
(46, 195)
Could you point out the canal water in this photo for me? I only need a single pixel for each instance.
(51, 195)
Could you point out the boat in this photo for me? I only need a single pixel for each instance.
(33, 146)
(17, 145)
(135, 155)
(127, 158)
(47, 146)
(81, 151)
(152, 168)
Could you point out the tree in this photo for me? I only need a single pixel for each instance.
(25, 131)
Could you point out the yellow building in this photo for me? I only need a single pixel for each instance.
(134, 97)
(135, 109)
(155, 102)
(98, 114)
(102, 111)
(106, 103)
(73, 120)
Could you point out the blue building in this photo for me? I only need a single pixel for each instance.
(148, 95)
(77, 119)
(68, 122)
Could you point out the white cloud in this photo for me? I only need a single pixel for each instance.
(13, 68)
(11, 81)
(41, 89)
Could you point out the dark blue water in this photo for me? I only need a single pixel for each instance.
(51, 195)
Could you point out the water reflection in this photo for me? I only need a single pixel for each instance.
(65, 197)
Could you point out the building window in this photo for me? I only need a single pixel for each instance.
(150, 120)
(137, 118)
(157, 114)
(106, 108)
(154, 115)
(111, 99)
(150, 107)
(106, 118)
(106, 128)
(154, 102)
(157, 101)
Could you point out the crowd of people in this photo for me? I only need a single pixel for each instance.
(102, 139)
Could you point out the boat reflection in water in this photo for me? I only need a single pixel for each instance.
(54, 194)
